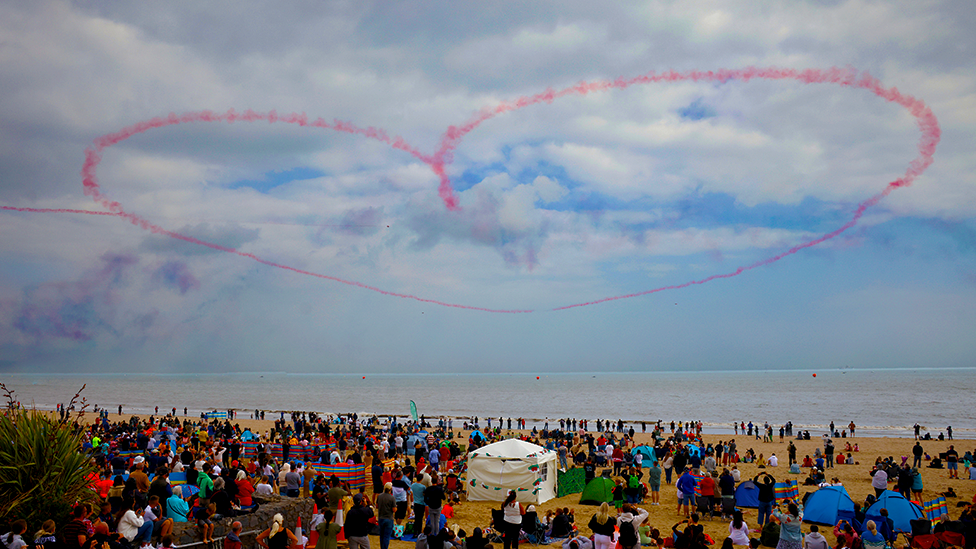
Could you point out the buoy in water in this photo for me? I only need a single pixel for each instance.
(814, 375)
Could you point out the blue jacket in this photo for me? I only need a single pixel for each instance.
(687, 483)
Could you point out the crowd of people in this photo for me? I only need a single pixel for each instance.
(416, 471)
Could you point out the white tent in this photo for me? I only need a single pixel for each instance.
(511, 464)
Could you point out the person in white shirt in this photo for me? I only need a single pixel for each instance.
(773, 461)
(133, 527)
(13, 539)
(263, 488)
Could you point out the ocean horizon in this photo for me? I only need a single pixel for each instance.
(881, 402)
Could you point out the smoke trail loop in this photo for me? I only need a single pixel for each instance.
(454, 135)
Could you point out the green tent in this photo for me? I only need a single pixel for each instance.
(597, 491)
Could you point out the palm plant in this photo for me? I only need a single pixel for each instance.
(43, 471)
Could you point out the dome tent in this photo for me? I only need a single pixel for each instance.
(648, 452)
(597, 491)
(511, 464)
(828, 505)
(747, 494)
(900, 511)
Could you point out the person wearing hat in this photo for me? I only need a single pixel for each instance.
(385, 509)
(357, 522)
(140, 476)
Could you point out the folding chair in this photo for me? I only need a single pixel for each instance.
(533, 528)
(929, 541)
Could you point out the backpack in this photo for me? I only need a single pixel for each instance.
(628, 534)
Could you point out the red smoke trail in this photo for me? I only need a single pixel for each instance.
(849, 77)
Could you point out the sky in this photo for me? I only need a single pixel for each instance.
(388, 236)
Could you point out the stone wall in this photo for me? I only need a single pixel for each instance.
(186, 533)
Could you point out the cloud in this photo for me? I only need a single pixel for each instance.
(176, 275)
(229, 236)
(76, 310)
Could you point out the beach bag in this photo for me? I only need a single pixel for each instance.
(628, 535)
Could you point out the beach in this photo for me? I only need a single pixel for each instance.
(855, 477)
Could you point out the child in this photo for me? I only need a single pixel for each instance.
(45, 535)
(328, 531)
(618, 494)
(204, 523)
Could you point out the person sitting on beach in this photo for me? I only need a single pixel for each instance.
(815, 540)
(46, 537)
(264, 488)
(562, 524)
(845, 534)
(807, 462)
(14, 538)
(578, 542)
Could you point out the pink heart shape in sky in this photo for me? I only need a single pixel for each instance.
(453, 136)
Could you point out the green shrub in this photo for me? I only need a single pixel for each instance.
(43, 472)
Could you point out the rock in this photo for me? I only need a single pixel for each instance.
(186, 533)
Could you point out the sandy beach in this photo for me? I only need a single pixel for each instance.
(855, 478)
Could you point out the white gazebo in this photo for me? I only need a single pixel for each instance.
(511, 464)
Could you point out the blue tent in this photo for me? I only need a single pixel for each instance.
(828, 505)
(478, 435)
(648, 454)
(413, 439)
(747, 494)
(900, 511)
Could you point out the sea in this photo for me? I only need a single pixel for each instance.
(881, 402)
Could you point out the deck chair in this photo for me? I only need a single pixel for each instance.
(728, 507)
(705, 507)
(533, 529)
(928, 541)
(954, 539)
(498, 520)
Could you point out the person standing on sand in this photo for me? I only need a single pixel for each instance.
(603, 527)
(952, 462)
(512, 511)
(766, 496)
(654, 483)
(686, 485)
(917, 452)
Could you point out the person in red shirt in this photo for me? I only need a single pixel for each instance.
(104, 484)
(707, 486)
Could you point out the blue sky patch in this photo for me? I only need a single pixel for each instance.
(277, 178)
(696, 110)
